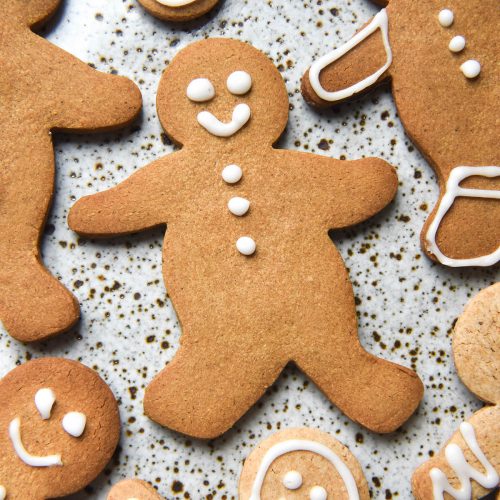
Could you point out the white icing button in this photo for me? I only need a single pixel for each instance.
(471, 68)
(44, 401)
(232, 174)
(238, 206)
(200, 90)
(457, 44)
(292, 480)
(246, 245)
(3, 492)
(74, 423)
(239, 82)
(318, 493)
(446, 18)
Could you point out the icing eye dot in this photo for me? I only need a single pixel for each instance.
(446, 18)
(292, 480)
(200, 90)
(457, 44)
(471, 68)
(318, 493)
(74, 423)
(44, 401)
(232, 174)
(246, 245)
(239, 82)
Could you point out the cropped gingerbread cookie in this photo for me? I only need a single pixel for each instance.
(178, 10)
(248, 263)
(441, 58)
(300, 464)
(42, 89)
(468, 467)
(133, 489)
(59, 427)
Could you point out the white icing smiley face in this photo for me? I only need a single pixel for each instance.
(73, 423)
(202, 90)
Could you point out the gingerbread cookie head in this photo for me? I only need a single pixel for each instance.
(30, 12)
(178, 10)
(59, 426)
(302, 463)
(221, 92)
(133, 489)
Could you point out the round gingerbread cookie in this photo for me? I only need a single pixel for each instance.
(133, 489)
(178, 10)
(59, 427)
(302, 463)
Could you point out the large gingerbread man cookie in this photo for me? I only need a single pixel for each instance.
(178, 10)
(441, 58)
(42, 89)
(59, 427)
(249, 265)
(469, 465)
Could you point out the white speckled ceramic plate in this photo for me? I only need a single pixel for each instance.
(406, 304)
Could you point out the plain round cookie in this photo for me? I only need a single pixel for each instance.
(133, 489)
(76, 389)
(185, 13)
(476, 345)
(316, 472)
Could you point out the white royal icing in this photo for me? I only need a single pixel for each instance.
(74, 423)
(318, 493)
(22, 453)
(232, 174)
(292, 480)
(210, 123)
(446, 18)
(291, 445)
(457, 44)
(463, 470)
(246, 245)
(44, 401)
(238, 206)
(471, 68)
(380, 21)
(239, 82)
(453, 190)
(175, 3)
(3, 492)
(200, 90)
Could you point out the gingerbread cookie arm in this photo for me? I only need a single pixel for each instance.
(140, 202)
(353, 68)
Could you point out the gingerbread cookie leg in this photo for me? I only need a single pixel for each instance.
(33, 304)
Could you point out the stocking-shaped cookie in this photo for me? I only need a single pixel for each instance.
(178, 10)
(469, 465)
(42, 89)
(441, 58)
(248, 263)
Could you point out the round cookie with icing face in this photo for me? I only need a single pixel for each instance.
(59, 427)
(302, 464)
(441, 60)
(178, 10)
(133, 489)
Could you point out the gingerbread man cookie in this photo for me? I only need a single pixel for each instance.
(42, 89)
(469, 465)
(59, 427)
(133, 489)
(248, 263)
(441, 58)
(300, 464)
(178, 10)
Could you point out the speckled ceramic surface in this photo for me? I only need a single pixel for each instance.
(128, 331)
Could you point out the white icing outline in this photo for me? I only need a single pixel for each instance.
(285, 447)
(241, 115)
(463, 470)
(23, 454)
(381, 21)
(175, 3)
(453, 190)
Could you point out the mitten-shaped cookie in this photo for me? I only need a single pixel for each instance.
(42, 89)
(469, 465)
(441, 59)
(133, 489)
(248, 263)
(178, 10)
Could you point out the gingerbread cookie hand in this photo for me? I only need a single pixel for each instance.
(441, 66)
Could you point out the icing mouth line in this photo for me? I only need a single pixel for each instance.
(241, 115)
